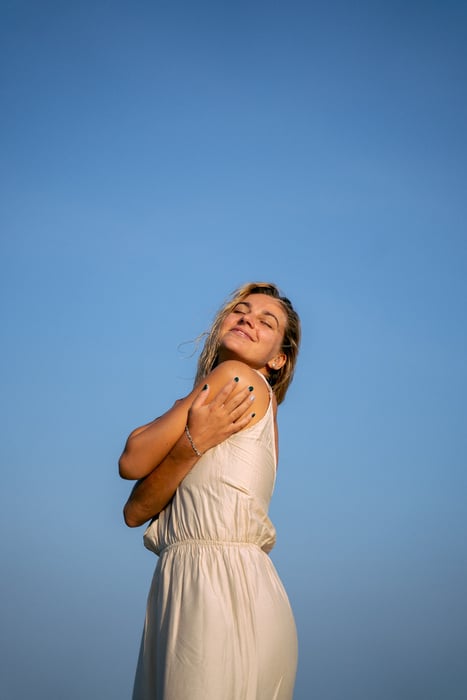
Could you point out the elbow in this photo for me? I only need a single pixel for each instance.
(129, 465)
(130, 518)
(124, 468)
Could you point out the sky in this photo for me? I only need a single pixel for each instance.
(155, 156)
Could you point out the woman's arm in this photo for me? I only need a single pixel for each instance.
(151, 494)
(210, 424)
(148, 445)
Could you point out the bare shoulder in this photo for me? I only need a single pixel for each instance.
(247, 377)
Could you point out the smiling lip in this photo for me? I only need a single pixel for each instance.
(240, 331)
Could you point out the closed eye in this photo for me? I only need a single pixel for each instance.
(241, 309)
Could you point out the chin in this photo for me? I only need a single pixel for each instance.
(230, 352)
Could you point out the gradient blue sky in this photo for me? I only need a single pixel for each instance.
(154, 156)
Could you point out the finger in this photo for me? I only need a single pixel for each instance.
(201, 398)
(243, 409)
(243, 421)
(241, 396)
(225, 392)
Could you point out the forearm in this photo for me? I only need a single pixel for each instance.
(146, 447)
(154, 492)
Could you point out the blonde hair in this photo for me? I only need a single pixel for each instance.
(278, 379)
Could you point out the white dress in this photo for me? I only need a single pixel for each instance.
(218, 623)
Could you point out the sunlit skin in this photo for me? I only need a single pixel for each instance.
(253, 333)
(159, 453)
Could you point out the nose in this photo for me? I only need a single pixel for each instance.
(248, 318)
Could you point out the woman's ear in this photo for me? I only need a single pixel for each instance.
(277, 362)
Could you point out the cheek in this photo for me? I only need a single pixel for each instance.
(272, 344)
(278, 343)
(226, 324)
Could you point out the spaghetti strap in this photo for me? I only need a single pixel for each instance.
(265, 380)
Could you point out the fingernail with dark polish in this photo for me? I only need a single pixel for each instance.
(235, 379)
(253, 415)
(205, 387)
(250, 388)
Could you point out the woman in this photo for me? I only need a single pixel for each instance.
(218, 623)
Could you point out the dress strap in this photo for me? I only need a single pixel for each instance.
(265, 379)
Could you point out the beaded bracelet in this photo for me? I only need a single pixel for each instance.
(195, 449)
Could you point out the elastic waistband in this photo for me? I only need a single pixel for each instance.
(204, 544)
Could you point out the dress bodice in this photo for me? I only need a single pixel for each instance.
(225, 497)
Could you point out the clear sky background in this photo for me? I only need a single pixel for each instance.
(154, 156)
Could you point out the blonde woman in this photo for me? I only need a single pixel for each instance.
(218, 624)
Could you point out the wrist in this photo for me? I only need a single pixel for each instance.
(193, 446)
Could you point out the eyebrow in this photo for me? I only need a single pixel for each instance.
(263, 313)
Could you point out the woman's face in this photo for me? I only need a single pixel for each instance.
(253, 333)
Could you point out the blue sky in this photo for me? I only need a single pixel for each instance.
(155, 156)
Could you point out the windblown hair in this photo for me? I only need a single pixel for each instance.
(278, 379)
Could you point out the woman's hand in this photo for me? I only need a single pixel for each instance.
(212, 422)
